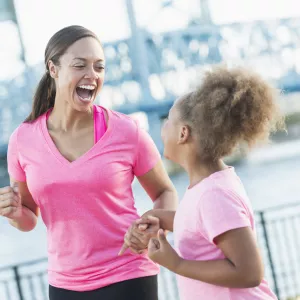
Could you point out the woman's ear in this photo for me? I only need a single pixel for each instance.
(53, 69)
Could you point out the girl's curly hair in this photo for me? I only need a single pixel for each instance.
(230, 107)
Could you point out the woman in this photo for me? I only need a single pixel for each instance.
(74, 162)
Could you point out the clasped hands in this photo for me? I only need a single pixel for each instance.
(139, 234)
(146, 233)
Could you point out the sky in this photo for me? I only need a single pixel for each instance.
(40, 19)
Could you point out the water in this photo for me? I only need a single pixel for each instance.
(270, 175)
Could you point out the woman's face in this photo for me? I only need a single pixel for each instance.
(80, 74)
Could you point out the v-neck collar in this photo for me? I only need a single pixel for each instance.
(84, 157)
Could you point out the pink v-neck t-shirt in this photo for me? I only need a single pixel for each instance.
(99, 123)
(87, 205)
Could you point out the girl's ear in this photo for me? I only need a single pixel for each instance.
(184, 134)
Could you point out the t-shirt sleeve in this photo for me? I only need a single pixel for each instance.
(13, 163)
(221, 211)
(146, 155)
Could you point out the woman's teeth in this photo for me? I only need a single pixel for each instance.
(87, 87)
(85, 92)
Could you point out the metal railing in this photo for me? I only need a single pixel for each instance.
(24, 281)
(278, 237)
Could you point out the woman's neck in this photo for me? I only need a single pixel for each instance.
(65, 118)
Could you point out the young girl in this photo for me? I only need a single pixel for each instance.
(216, 255)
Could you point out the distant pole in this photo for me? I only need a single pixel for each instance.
(138, 53)
(140, 67)
(205, 12)
(14, 18)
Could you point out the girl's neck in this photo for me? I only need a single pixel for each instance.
(198, 170)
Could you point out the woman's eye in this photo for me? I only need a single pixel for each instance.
(100, 68)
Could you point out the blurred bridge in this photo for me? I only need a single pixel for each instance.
(146, 72)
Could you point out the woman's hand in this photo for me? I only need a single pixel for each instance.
(10, 202)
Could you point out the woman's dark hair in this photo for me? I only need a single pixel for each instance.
(44, 96)
(231, 107)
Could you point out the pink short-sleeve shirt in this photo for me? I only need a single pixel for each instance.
(214, 206)
(87, 205)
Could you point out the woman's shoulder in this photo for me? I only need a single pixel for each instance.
(124, 121)
(26, 128)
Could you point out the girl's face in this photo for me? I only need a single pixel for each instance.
(173, 134)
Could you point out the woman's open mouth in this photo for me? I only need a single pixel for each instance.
(85, 92)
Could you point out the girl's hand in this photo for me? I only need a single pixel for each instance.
(161, 252)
